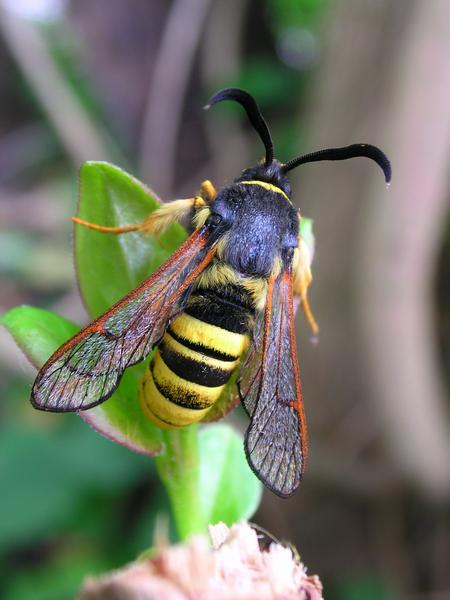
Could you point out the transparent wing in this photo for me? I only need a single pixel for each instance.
(269, 388)
(86, 370)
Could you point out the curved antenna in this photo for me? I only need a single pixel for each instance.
(253, 113)
(352, 151)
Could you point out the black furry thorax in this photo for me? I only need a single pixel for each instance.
(257, 225)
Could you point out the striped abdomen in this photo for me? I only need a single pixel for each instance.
(196, 358)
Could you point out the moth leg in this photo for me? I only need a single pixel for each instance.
(116, 230)
(159, 220)
(172, 212)
(156, 222)
(201, 203)
(207, 191)
(205, 196)
(302, 281)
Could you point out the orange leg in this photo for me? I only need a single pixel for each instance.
(160, 219)
(302, 281)
(116, 230)
(309, 315)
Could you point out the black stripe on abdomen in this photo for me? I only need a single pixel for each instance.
(193, 370)
(196, 357)
(206, 350)
(186, 398)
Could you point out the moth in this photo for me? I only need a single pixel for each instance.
(222, 303)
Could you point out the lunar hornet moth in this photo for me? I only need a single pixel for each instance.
(224, 301)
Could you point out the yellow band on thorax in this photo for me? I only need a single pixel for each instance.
(268, 186)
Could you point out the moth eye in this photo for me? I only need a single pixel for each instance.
(215, 219)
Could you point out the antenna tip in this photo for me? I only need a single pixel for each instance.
(207, 107)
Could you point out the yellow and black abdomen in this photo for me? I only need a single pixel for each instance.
(196, 357)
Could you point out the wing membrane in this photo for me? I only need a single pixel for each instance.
(86, 370)
(276, 440)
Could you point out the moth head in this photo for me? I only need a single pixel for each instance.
(257, 229)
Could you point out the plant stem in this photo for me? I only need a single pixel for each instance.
(178, 468)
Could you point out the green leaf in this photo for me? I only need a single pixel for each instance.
(39, 333)
(228, 488)
(108, 265)
(121, 418)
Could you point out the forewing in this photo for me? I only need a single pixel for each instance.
(86, 370)
(269, 387)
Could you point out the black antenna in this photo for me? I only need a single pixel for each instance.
(253, 113)
(352, 151)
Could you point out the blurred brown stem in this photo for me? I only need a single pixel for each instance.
(399, 242)
(167, 90)
(221, 57)
(385, 79)
(75, 128)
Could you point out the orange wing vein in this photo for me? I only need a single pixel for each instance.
(269, 388)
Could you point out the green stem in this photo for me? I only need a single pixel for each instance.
(179, 469)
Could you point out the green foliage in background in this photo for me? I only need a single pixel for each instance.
(368, 587)
(294, 13)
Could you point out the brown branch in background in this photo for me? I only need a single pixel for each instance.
(344, 92)
(385, 79)
(76, 129)
(167, 90)
(221, 57)
(400, 241)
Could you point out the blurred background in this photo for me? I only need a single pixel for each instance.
(125, 81)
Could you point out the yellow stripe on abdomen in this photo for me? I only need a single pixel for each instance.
(189, 371)
(210, 336)
(181, 391)
(198, 356)
(161, 411)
